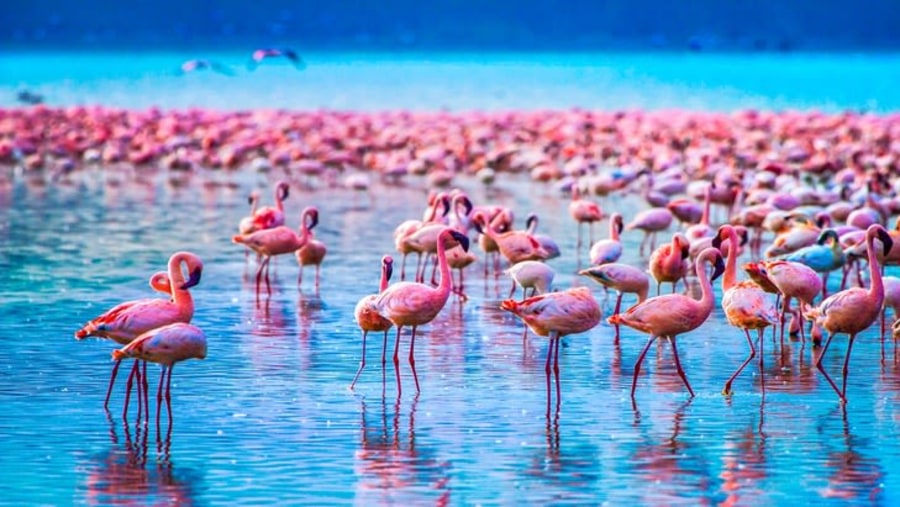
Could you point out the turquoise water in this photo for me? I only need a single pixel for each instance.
(267, 417)
(463, 81)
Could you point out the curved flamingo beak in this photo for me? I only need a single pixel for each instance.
(719, 268)
(313, 218)
(467, 203)
(717, 241)
(193, 280)
(620, 224)
(462, 239)
(886, 240)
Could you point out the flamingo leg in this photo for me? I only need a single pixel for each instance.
(727, 390)
(403, 267)
(112, 380)
(169, 393)
(362, 362)
(678, 367)
(300, 277)
(637, 365)
(412, 359)
(318, 272)
(146, 388)
(822, 369)
(384, 349)
(846, 369)
(139, 380)
(762, 374)
(547, 371)
(397, 360)
(128, 384)
(556, 367)
(159, 396)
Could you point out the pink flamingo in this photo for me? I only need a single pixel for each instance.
(623, 279)
(402, 233)
(793, 280)
(311, 254)
(516, 246)
(584, 211)
(414, 304)
(855, 309)
(166, 346)
(745, 303)
(608, 250)
(125, 322)
(278, 240)
(534, 275)
(670, 315)
(368, 318)
(651, 221)
(668, 263)
(268, 217)
(556, 314)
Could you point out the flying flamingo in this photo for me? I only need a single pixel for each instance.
(668, 263)
(745, 303)
(166, 346)
(623, 279)
(855, 309)
(311, 254)
(278, 240)
(368, 318)
(199, 64)
(556, 314)
(608, 250)
(125, 322)
(261, 54)
(414, 304)
(670, 315)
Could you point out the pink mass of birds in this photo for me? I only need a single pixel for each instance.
(796, 196)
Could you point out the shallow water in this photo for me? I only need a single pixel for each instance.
(268, 415)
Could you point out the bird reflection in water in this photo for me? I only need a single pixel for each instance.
(744, 463)
(855, 478)
(127, 475)
(390, 467)
(665, 467)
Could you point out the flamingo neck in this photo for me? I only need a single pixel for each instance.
(181, 297)
(729, 278)
(384, 279)
(443, 265)
(613, 230)
(704, 218)
(707, 297)
(876, 290)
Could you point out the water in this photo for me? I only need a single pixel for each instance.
(268, 414)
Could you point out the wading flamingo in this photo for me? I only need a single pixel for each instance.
(166, 346)
(608, 250)
(853, 310)
(823, 257)
(584, 211)
(311, 254)
(516, 246)
(651, 221)
(368, 318)
(269, 217)
(438, 207)
(278, 240)
(669, 263)
(125, 322)
(670, 315)
(534, 275)
(793, 280)
(556, 314)
(746, 304)
(414, 304)
(549, 244)
(623, 279)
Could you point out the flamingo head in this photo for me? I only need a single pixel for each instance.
(826, 235)
(459, 238)
(283, 189)
(886, 241)
(757, 272)
(193, 279)
(721, 235)
(719, 267)
(465, 201)
(531, 220)
(682, 243)
(618, 222)
(312, 215)
(253, 197)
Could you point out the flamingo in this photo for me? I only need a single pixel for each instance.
(249, 223)
(368, 318)
(409, 227)
(853, 310)
(745, 303)
(549, 244)
(279, 240)
(269, 217)
(668, 262)
(608, 250)
(516, 246)
(166, 346)
(702, 228)
(311, 254)
(556, 314)
(261, 54)
(670, 315)
(125, 322)
(623, 279)
(534, 275)
(793, 280)
(584, 211)
(414, 304)
(820, 257)
(651, 221)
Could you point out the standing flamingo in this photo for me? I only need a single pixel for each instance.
(668, 263)
(670, 315)
(311, 254)
(651, 221)
(125, 322)
(793, 280)
(584, 211)
(368, 318)
(414, 304)
(278, 240)
(746, 305)
(608, 250)
(269, 217)
(534, 275)
(622, 278)
(556, 314)
(166, 346)
(853, 310)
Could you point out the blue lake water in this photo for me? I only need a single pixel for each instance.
(267, 417)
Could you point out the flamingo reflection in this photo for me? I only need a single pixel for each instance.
(390, 467)
(745, 463)
(855, 478)
(126, 474)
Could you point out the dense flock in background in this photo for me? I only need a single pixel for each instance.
(792, 213)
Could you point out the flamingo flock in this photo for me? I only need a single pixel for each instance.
(796, 195)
